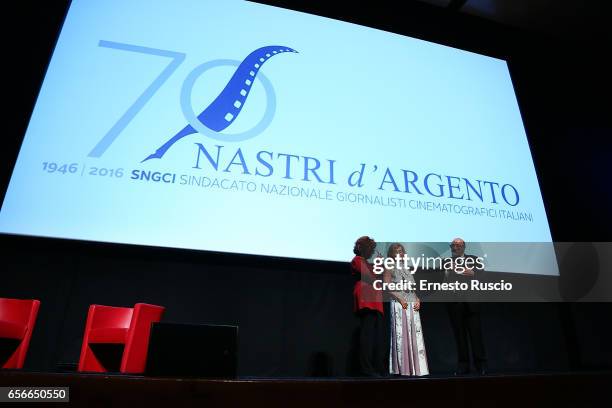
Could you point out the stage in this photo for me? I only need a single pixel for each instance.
(524, 390)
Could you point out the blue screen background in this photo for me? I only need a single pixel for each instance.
(351, 94)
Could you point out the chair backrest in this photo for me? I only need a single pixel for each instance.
(109, 317)
(17, 311)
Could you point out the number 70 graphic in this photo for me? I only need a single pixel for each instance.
(219, 114)
(176, 59)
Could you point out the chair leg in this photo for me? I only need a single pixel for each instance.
(89, 361)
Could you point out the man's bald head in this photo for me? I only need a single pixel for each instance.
(457, 247)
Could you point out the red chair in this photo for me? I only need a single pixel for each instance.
(107, 325)
(17, 320)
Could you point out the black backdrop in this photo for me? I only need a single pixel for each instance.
(295, 316)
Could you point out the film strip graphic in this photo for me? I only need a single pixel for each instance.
(226, 107)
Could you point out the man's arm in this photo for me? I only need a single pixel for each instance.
(475, 271)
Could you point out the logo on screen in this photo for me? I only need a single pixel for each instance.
(213, 119)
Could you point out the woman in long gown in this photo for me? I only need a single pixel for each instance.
(407, 354)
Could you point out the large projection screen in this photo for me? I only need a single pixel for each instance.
(239, 127)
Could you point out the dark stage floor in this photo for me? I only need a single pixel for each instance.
(539, 390)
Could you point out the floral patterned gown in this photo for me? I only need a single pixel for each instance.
(408, 356)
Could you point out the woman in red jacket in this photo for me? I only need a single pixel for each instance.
(369, 307)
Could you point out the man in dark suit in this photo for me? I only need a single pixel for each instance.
(465, 316)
